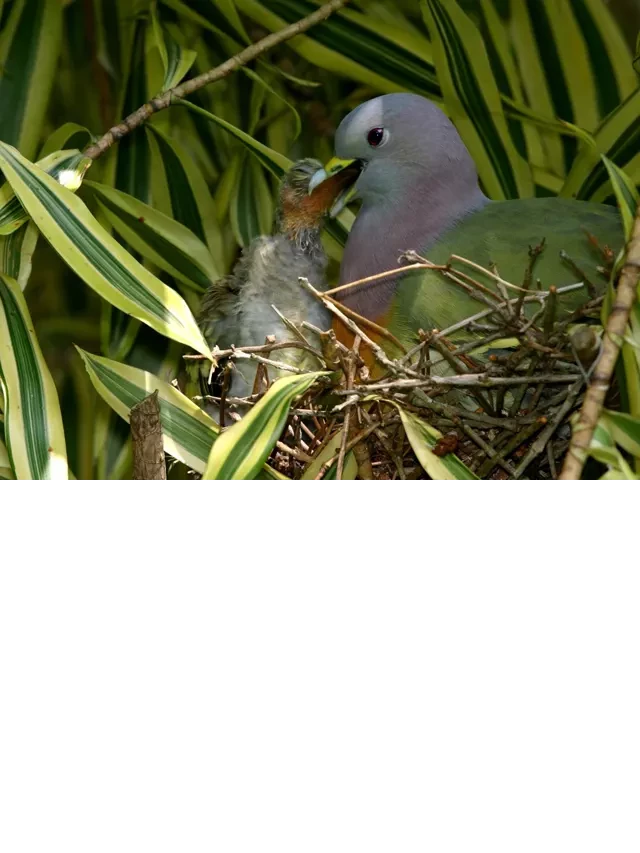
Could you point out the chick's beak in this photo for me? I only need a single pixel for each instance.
(345, 174)
(332, 168)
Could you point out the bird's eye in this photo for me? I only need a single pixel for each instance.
(376, 136)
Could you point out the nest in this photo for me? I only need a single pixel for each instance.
(505, 413)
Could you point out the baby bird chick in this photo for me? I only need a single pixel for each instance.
(236, 310)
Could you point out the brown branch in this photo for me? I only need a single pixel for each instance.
(161, 102)
(626, 295)
(146, 437)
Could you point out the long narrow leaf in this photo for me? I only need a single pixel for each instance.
(32, 419)
(473, 100)
(16, 253)
(176, 60)
(29, 47)
(165, 242)
(423, 439)
(242, 450)
(272, 160)
(625, 192)
(67, 167)
(618, 137)
(96, 256)
(189, 200)
(188, 432)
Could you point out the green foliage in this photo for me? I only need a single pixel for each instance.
(544, 93)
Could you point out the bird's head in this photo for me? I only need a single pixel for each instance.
(396, 141)
(300, 210)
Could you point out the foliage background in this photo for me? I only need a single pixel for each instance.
(91, 62)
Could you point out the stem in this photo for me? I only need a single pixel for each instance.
(626, 295)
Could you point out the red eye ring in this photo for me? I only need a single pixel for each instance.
(375, 137)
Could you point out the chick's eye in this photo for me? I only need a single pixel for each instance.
(375, 136)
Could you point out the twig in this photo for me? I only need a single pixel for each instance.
(279, 365)
(541, 442)
(365, 433)
(626, 294)
(146, 438)
(377, 351)
(589, 284)
(421, 265)
(488, 450)
(512, 444)
(351, 369)
(161, 102)
(472, 380)
(258, 348)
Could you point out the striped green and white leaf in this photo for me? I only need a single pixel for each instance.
(16, 253)
(272, 160)
(618, 138)
(33, 428)
(6, 471)
(355, 45)
(251, 210)
(188, 432)
(625, 192)
(67, 167)
(29, 48)
(242, 450)
(95, 256)
(176, 59)
(624, 429)
(180, 190)
(473, 100)
(158, 238)
(603, 448)
(69, 136)
(331, 448)
(423, 438)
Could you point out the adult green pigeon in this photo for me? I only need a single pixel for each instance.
(237, 310)
(419, 190)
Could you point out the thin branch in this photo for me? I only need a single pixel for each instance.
(626, 295)
(161, 102)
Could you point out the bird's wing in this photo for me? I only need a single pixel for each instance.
(501, 234)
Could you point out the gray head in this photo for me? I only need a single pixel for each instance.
(402, 139)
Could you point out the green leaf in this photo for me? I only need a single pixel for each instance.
(16, 253)
(423, 438)
(67, 167)
(350, 471)
(6, 471)
(188, 432)
(536, 85)
(29, 47)
(69, 136)
(270, 159)
(189, 200)
(32, 418)
(355, 45)
(251, 209)
(176, 60)
(603, 449)
(166, 243)
(618, 138)
(473, 100)
(624, 429)
(95, 256)
(626, 194)
(242, 450)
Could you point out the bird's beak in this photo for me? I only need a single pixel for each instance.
(331, 169)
